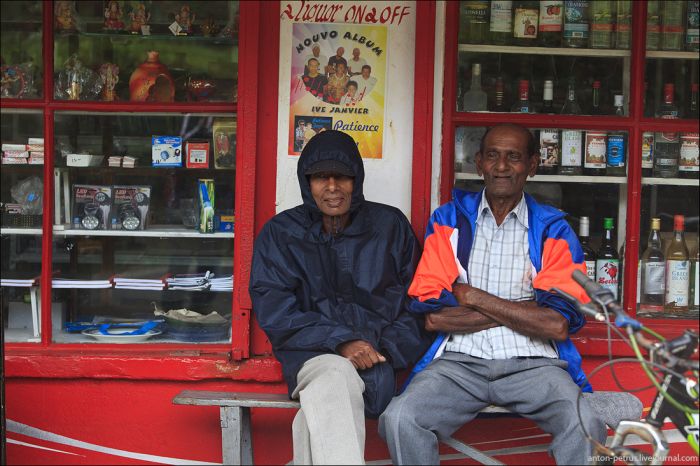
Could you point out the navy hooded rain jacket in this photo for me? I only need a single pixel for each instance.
(312, 291)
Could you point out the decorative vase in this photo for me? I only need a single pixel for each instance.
(151, 81)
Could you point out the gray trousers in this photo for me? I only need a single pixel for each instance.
(452, 389)
(330, 426)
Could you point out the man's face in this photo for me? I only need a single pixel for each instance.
(313, 66)
(356, 53)
(340, 70)
(351, 91)
(332, 193)
(316, 51)
(505, 163)
(365, 73)
(340, 51)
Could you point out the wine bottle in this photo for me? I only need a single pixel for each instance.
(523, 103)
(694, 292)
(677, 269)
(607, 264)
(616, 153)
(571, 106)
(653, 25)
(623, 24)
(525, 17)
(689, 159)
(549, 151)
(601, 24)
(595, 149)
(551, 23)
(595, 109)
(475, 98)
(588, 254)
(576, 23)
(501, 25)
(672, 24)
(653, 268)
(647, 153)
(547, 97)
(571, 152)
(692, 30)
(475, 15)
(499, 102)
(666, 148)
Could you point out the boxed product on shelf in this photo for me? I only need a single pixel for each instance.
(130, 207)
(91, 206)
(224, 136)
(166, 151)
(15, 153)
(13, 147)
(14, 160)
(206, 205)
(197, 154)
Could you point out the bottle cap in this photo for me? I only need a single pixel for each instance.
(476, 69)
(596, 84)
(608, 223)
(678, 223)
(584, 227)
(524, 84)
(655, 223)
(619, 100)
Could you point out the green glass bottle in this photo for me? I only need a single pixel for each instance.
(607, 266)
(475, 21)
(601, 24)
(501, 24)
(623, 24)
(653, 25)
(672, 24)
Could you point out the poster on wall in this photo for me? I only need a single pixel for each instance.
(337, 82)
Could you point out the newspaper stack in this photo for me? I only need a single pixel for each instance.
(80, 283)
(222, 283)
(192, 282)
(140, 280)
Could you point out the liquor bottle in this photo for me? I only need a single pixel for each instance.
(601, 24)
(607, 264)
(551, 23)
(623, 24)
(588, 254)
(677, 269)
(694, 292)
(672, 25)
(523, 103)
(689, 158)
(692, 30)
(549, 152)
(595, 149)
(647, 153)
(571, 106)
(475, 98)
(617, 148)
(547, 97)
(499, 103)
(576, 23)
(571, 152)
(653, 25)
(666, 144)
(653, 268)
(693, 104)
(501, 25)
(475, 21)
(619, 102)
(595, 109)
(525, 17)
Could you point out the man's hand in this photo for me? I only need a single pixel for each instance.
(361, 354)
(462, 292)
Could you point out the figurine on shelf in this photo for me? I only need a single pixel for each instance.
(139, 18)
(209, 27)
(185, 18)
(199, 89)
(109, 74)
(113, 16)
(65, 16)
(12, 82)
(151, 81)
(75, 82)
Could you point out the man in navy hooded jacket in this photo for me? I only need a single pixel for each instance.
(328, 284)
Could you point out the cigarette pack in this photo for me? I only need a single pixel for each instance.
(7, 147)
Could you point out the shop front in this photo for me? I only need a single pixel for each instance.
(146, 143)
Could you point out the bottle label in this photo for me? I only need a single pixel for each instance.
(677, 281)
(647, 150)
(590, 269)
(476, 12)
(571, 148)
(601, 18)
(525, 23)
(549, 148)
(595, 150)
(501, 16)
(606, 272)
(690, 157)
(666, 162)
(692, 35)
(654, 277)
(551, 14)
(616, 150)
(576, 19)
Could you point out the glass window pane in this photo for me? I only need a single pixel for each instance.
(21, 204)
(21, 49)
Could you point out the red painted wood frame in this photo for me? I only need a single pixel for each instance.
(634, 124)
(250, 35)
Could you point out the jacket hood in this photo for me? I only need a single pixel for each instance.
(331, 145)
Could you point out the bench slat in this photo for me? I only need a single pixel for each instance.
(248, 400)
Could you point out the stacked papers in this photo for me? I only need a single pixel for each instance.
(193, 281)
(114, 161)
(79, 283)
(128, 162)
(222, 283)
(140, 280)
(19, 282)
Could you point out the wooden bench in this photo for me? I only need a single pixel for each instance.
(234, 412)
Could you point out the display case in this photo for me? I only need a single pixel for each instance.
(119, 210)
(577, 73)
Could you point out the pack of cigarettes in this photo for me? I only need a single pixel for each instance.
(15, 153)
(128, 162)
(14, 147)
(38, 141)
(14, 160)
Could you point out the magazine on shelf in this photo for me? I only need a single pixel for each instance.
(81, 282)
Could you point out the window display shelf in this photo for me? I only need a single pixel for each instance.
(670, 182)
(559, 178)
(155, 231)
(673, 55)
(572, 52)
(20, 231)
(126, 37)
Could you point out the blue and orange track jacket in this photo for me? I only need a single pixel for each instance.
(555, 253)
